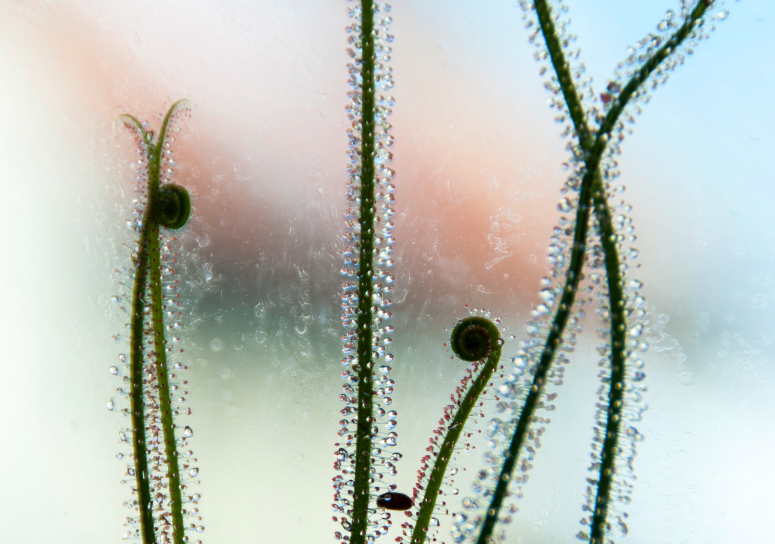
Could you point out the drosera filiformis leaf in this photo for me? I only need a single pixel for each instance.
(475, 339)
(161, 206)
(365, 453)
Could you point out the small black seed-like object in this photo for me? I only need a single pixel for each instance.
(175, 206)
(394, 501)
(473, 338)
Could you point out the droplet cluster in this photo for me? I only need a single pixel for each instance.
(581, 81)
(644, 49)
(366, 292)
(174, 383)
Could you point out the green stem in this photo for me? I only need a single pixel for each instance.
(148, 277)
(160, 343)
(562, 69)
(363, 444)
(137, 403)
(436, 478)
(615, 283)
(592, 191)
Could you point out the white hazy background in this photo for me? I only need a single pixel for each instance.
(478, 161)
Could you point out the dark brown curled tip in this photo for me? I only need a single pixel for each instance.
(394, 501)
(473, 338)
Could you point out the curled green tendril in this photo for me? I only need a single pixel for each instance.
(474, 337)
(174, 206)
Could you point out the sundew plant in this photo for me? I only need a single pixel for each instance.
(161, 469)
(398, 271)
(593, 261)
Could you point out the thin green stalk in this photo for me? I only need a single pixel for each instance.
(168, 426)
(615, 284)
(493, 354)
(363, 444)
(137, 404)
(592, 192)
(562, 69)
(148, 277)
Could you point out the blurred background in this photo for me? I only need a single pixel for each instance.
(478, 160)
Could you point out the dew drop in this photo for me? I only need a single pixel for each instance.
(111, 405)
(193, 472)
(187, 432)
(470, 504)
(635, 285)
(114, 370)
(122, 357)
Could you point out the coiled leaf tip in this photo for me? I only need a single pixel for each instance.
(175, 206)
(474, 337)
